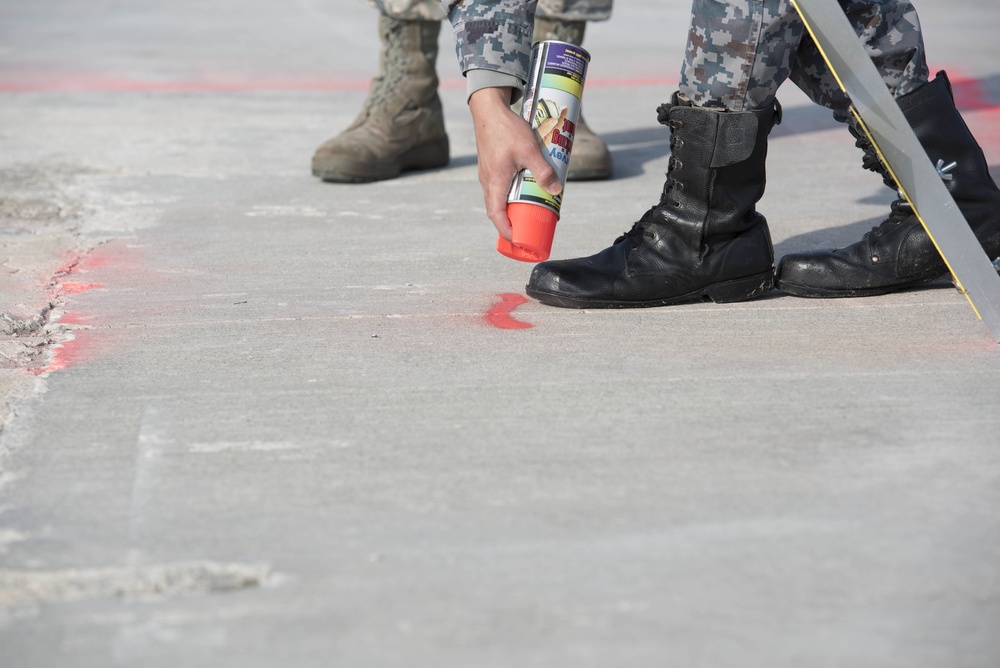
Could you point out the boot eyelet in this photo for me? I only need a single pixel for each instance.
(676, 204)
(875, 259)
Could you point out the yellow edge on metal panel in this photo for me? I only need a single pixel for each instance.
(822, 52)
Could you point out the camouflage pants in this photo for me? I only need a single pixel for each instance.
(430, 10)
(740, 51)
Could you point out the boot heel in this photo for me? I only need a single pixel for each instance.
(741, 289)
(426, 156)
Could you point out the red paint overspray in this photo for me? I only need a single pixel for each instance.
(76, 287)
(71, 339)
(499, 314)
(67, 352)
(970, 95)
(75, 318)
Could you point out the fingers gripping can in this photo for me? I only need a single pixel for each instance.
(552, 107)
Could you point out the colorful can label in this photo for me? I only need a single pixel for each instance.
(552, 107)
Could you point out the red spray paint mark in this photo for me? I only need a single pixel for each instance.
(74, 318)
(71, 337)
(66, 354)
(73, 341)
(81, 263)
(76, 287)
(59, 284)
(499, 314)
(970, 94)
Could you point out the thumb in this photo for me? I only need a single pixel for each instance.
(544, 174)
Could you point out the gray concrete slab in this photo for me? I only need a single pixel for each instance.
(252, 419)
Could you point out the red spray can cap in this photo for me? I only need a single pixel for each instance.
(534, 227)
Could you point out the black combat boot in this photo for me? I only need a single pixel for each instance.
(898, 253)
(704, 239)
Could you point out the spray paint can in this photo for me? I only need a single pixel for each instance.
(552, 107)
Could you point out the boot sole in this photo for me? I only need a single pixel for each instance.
(736, 290)
(810, 291)
(426, 156)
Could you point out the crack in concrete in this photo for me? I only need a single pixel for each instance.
(26, 343)
(42, 210)
(29, 587)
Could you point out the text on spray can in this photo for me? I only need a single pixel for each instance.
(552, 106)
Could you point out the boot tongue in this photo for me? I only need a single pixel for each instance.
(732, 146)
(663, 111)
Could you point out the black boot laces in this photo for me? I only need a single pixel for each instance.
(871, 160)
(900, 209)
(670, 186)
(396, 60)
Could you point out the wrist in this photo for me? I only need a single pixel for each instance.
(490, 98)
(477, 79)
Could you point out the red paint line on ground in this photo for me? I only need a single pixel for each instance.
(633, 82)
(70, 82)
(970, 95)
(969, 92)
(499, 314)
(84, 83)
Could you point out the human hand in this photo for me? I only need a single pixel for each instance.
(505, 144)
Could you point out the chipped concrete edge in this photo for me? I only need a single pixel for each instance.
(20, 588)
(48, 215)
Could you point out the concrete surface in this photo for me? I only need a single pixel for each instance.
(251, 419)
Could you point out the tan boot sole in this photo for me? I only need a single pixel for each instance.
(425, 156)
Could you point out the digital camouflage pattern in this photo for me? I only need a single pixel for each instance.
(430, 10)
(410, 10)
(575, 10)
(740, 51)
(494, 35)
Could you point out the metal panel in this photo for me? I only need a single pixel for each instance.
(918, 180)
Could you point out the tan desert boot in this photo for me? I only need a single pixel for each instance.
(401, 126)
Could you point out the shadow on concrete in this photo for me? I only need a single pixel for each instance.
(462, 161)
(837, 237)
(826, 238)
